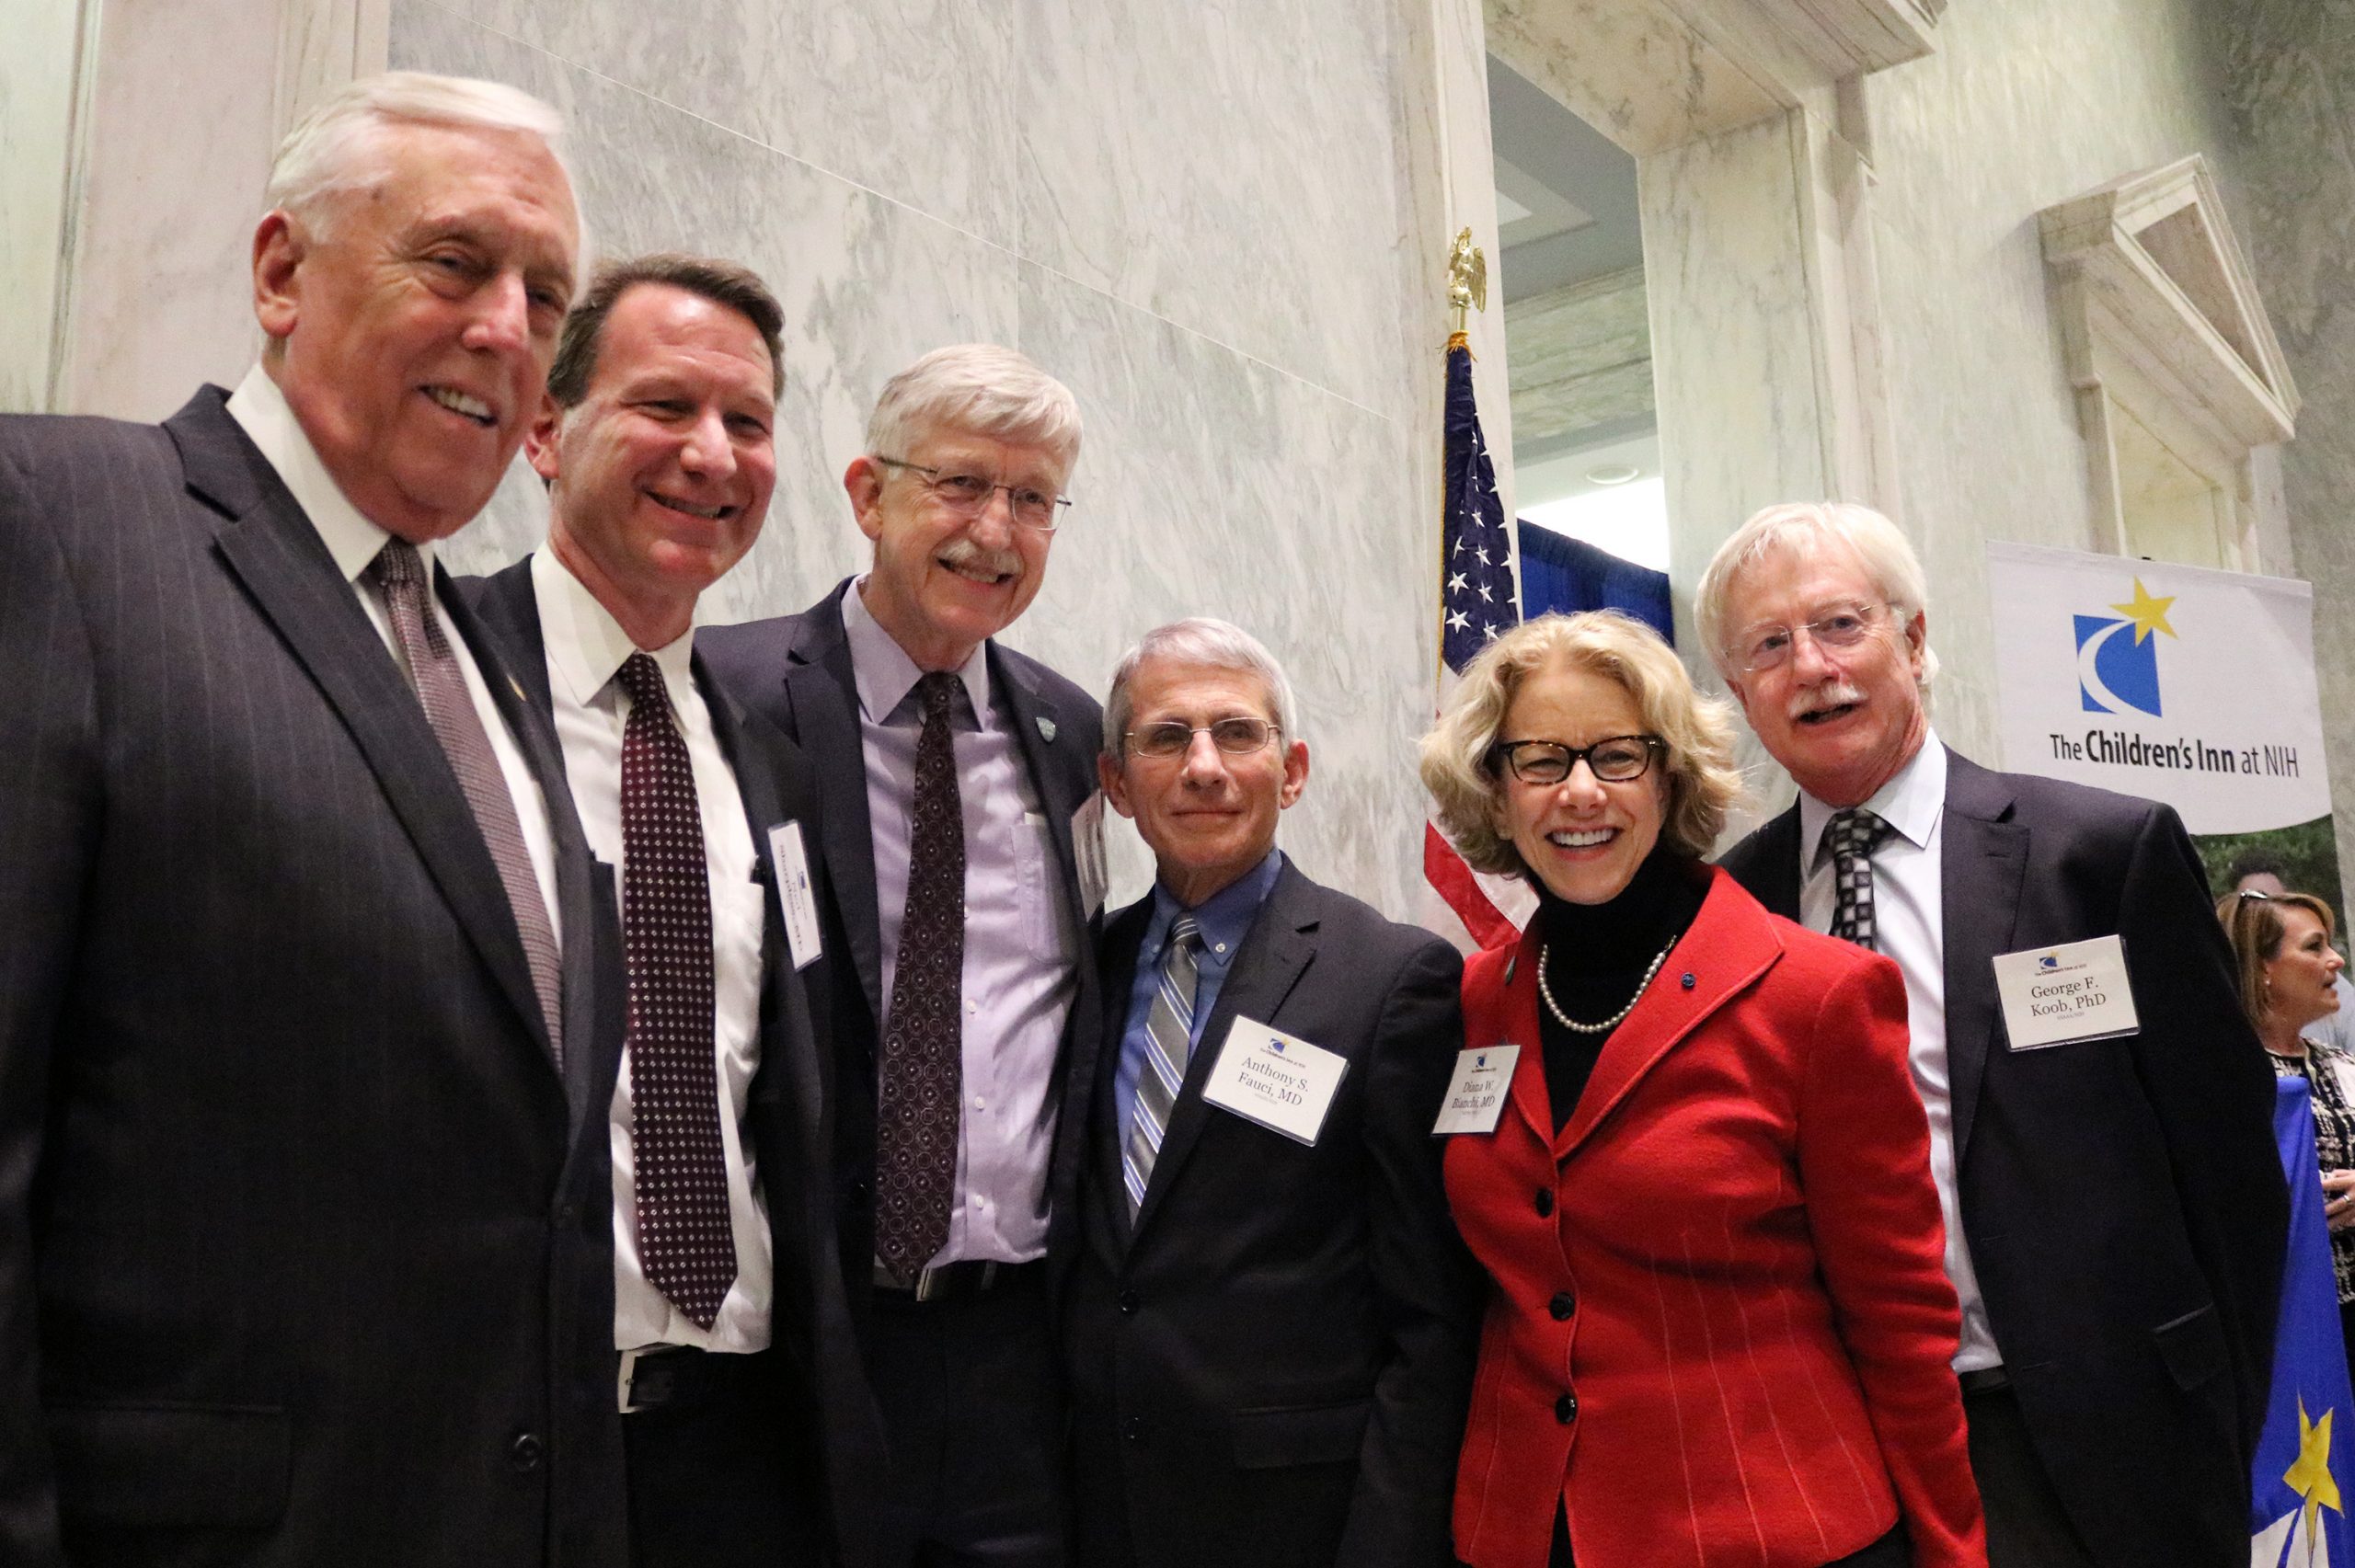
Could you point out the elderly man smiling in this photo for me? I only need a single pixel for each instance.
(1270, 1327)
(302, 1199)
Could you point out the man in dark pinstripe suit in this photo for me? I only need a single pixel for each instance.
(304, 1224)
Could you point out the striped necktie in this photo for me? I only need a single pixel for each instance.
(1168, 1029)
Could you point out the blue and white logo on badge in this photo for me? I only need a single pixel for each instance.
(2118, 674)
(2048, 963)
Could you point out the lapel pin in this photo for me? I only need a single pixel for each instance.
(1046, 727)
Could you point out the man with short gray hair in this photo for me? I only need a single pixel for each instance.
(2115, 1209)
(1320, 1426)
(305, 1247)
(961, 834)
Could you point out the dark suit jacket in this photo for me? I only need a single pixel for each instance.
(1271, 1365)
(2123, 1202)
(306, 1245)
(832, 1432)
(794, 671)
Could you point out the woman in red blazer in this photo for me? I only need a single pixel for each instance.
(1718, 1329)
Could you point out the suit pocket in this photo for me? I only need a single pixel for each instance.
(2194, 1347)
(1299, 1435)
(172, 1465)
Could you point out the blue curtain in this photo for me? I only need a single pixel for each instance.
(1558, 573)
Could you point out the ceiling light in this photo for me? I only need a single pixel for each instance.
(1612, 474)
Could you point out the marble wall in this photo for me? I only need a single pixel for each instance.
(37, 76)
(2288, 72)
(1208, 221)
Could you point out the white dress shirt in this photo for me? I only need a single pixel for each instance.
(261, 410)
(1909, 926)
(1022, 946)
(586, 648)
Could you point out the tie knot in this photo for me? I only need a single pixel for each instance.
(397, 564)
(937, 691)
(1184, 933)
(1856, 832)
(642, 679)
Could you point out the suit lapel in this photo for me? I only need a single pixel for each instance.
(1122, 936)
(1274, 954)
(823, 692)
(1780, 875)
(1730, 945)
(1983, 865)
(1046, 738)
(278, 555)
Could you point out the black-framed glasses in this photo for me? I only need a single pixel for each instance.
(1615, 758)
(1837, 626)
(968, 495)
(1237, 737)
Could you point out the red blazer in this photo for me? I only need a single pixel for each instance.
(1719, 1328)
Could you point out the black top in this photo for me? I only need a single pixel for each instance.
(1595, 953)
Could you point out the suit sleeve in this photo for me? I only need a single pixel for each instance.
(1864, 1155)
(49, 824)
(1428, 1285)
(2212, 1094)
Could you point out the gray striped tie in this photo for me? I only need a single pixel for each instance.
(1168, 1028)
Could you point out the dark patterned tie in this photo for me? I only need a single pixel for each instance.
(399, 571)
(1169, 1032)
(1854, 834)
(922, 1072)
(681, 1165)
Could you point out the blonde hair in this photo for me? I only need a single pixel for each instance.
(2252, 923)
(1460, 769)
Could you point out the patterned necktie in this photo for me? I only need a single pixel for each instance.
(1169, 1030)
(684, 1235)
(399, 572)
(921, 1071)
(1854, 834)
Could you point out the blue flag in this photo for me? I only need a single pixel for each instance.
(1569, 575)
(2297, 1510)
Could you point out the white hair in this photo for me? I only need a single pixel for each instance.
(982, 388)
(1877, 544)
(333, 151)
(1217, 645)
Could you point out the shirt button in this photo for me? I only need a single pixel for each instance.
(1562, 1306)
(980, 1202)
(1565, 1409)
(981, 1104)
(524, 1454)
(1218, 947)
(1544, 1202)
(972, 1007)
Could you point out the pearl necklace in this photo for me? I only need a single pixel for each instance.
(1567, 1022)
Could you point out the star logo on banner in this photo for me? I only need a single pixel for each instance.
(2310, 1477)
(2149, 613)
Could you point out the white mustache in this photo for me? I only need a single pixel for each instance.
(1831, 694)
(965, 553)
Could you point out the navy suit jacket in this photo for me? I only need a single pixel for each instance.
(305, 1240)
(2123, 1201)
(832, 1429)
(1272, 1364)
(794, 671)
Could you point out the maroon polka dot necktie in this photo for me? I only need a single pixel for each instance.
(684, 1235)
(921, 1071)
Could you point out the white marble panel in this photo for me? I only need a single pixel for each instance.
(1213, 485)
(915, 99)
(868, 284)
(1235, 169)
(37, 89)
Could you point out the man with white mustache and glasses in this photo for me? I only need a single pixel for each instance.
(2114, 1211)
(962, 833)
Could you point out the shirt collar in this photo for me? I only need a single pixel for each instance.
(268, 420)
(1909, 801)
(884, 672)
(586, 645)
(1226, 914)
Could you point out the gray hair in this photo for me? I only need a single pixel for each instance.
(1879, 546)
(332, 151)
(979, 387)
(1219, 645)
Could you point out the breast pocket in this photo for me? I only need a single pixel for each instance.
(1299, 1435)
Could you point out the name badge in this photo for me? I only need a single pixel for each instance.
(1277, 1080)
(2058, 996)
(1087, 853)
(796, 900)
(1476, 1095)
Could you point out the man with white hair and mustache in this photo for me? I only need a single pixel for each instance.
(2115, 1209)
(957, 787)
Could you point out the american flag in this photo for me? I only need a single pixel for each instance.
(1478, 597)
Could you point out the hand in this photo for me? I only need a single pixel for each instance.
(2338, 1198)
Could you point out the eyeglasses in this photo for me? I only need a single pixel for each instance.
(968, 495)
(1237, 737)
(1615, 758)
(1842, 626)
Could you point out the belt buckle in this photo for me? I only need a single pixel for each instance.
(933, 1282)
(628, 1375)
